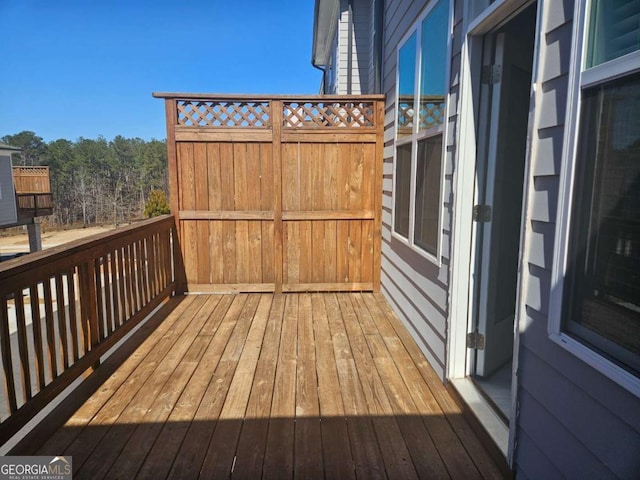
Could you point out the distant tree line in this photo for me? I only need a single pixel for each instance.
(96, 180)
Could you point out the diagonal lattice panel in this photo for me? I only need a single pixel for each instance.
(333, 114)
(223, 114)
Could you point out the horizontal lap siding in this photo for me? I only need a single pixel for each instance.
(416, 287)
(7, 198)
(361, 48)
(573, 422)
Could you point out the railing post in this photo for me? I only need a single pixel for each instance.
(171, 113)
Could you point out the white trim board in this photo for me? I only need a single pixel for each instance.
(462, 284)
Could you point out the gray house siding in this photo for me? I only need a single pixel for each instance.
(361, 48)
(7, 199)
(416, 287)
(573, 422)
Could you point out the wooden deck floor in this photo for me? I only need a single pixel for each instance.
(273, 386)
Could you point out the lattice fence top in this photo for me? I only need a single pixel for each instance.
(31, 171)
(223, 113)
(431, 112)
(257, 113)
(330, 114)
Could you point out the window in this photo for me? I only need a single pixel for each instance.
(596, 309)
(421, 89)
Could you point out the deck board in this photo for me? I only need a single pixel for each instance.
(318, 385)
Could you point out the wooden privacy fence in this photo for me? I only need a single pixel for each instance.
(277, 193)
(63, 308)
(31, 179)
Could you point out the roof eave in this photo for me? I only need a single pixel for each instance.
(325, 20)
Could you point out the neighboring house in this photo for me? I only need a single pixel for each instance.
(511, 207)
(346, 33)
(8, 211)
(25, 195)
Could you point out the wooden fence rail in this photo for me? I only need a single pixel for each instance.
(63, 308)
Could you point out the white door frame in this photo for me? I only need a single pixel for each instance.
(463, 256)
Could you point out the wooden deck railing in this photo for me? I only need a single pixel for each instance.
(34, 204)
(63, 308)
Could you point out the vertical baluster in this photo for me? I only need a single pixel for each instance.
(118, 288)
(153, 265)
(100, 320)
(108, 292)
(87, 305)
(126, 303)
(142, 262)
(130, 279)
(92, 303)
(62, 321)
(73, 315)
(166, 264)
(139, 281)
(144, 268)
(51, 337)
(25, 374)
(7, 366)
(160, 260)
(37, 334)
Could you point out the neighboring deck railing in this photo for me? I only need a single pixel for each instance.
(34, 204)
(63, 308)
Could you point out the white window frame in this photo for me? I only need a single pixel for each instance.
(417, 135)
(579, 79)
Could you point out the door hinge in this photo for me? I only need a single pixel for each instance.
(475, 340)
(482, 213)
(491, 74)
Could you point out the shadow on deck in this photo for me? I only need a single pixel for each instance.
(261, 385)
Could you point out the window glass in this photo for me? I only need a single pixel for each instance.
(603, 298)
(403, 189)
(428, 194)
(406, 86)
(614, 30)
(421, 112)
(433, 61)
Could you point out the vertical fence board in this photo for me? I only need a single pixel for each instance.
(267, 188)
(216, 259)
(201, 189)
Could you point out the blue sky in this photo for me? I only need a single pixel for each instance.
(72, 68)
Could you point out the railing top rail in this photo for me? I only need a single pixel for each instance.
(263, 97)
(16, 266)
